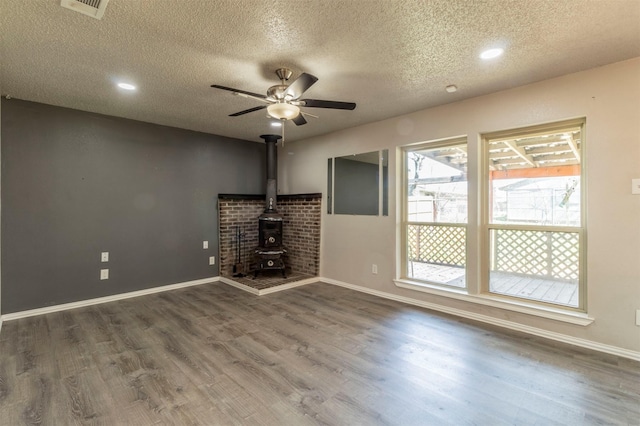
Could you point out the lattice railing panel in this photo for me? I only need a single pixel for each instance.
(524, 252)
(565, 255)
(442, 244)
(540, 253)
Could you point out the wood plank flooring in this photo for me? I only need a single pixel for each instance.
(313, 355)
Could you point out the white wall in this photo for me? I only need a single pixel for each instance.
(609, 98)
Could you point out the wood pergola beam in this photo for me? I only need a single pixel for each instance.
(531, 172)
(521, 153)
(551, 150)
(574, 148)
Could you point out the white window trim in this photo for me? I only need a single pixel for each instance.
(495, 301)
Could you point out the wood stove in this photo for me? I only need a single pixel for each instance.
(269, 255)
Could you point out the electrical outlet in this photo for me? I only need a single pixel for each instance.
(635, 186)
(104, 274)
(374, 269)
(104, 256)
(205, 244)
(637, 316)
(212, 260)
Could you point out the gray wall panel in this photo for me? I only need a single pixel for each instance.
(356, 187)
(75, 184)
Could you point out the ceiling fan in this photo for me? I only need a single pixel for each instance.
(283, 101)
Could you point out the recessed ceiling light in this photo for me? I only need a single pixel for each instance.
(451, 88)
(492, 53)
(126, 86)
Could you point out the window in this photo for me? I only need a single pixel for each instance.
(435, 212)
(534, 214)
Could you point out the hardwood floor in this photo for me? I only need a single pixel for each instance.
(317, 354)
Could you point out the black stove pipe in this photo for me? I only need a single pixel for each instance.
(272, 172)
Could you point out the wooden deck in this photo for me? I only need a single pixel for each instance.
(535, 288)
(528, 287)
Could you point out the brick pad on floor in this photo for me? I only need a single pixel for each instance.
(269, 279)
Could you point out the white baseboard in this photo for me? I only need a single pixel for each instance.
(270, 289)
(584, 343)
(106, 299)
(121, 296)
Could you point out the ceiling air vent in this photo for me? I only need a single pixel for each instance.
(93, 8)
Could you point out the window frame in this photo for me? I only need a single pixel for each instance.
(485, 207)
(477, 237)
(404, 222)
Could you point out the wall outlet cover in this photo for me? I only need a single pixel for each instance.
(205, 244)
(104, 256)
(104, 274)
(212, 260)
(635, 186)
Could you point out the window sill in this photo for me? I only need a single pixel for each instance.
(556, 314)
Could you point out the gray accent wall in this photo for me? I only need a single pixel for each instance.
(75, 184)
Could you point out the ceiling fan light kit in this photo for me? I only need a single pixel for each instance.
(283, 101)
(283, 111)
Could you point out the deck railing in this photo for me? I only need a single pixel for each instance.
(551, 254)
(547, 254)
(438, 243)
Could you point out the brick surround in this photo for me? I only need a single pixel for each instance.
(301, 230)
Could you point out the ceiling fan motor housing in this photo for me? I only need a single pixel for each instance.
(276, 92)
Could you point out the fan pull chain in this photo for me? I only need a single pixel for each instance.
(283, 123)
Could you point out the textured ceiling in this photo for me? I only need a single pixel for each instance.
(391, 57)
